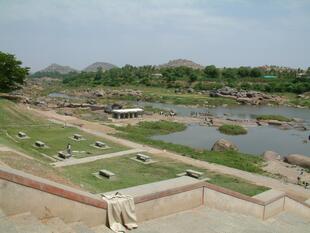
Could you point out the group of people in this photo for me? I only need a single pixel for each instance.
(302, 182)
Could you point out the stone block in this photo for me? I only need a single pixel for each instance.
(106, 174)
(40, 144)
(100, 144)
(77, 137)
(142, 157)
(63, 155)
(22, 134)
(193, 173)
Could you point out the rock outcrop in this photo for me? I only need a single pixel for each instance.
(97, 65)
(55, 68)
(271, 155)
(245, 97)
(182, 62)
(224, 145)
(300, 160)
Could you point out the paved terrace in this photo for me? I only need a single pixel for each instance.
(102, 130)
(207, 220)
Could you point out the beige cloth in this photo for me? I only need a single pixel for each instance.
(121, 212)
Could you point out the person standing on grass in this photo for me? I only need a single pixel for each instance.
(69, 150)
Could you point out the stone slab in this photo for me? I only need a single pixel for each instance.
(269, 195)
(160, 186)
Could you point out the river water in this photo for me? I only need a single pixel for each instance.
(256, 141)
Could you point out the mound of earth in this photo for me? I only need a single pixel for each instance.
(224, 145)
(95, 66)
(181, 62)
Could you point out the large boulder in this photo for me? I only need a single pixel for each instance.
(224, 145)
(271, 155)
(300, 160)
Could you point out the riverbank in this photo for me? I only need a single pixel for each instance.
(143, 132)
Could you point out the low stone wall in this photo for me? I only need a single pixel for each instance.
(223, 199)
(21, 192)
(297, 207)
(167, 205)
(274, 207)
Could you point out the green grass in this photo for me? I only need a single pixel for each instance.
(143, 131)
(236, 184)
(232, 129)
(273, 117)
(131, 173)
(14, 119)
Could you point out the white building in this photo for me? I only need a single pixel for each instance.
(127, 113)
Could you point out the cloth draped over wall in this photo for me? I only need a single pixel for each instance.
(121, 212)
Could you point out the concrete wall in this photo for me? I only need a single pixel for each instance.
(274, 208)
(15, 199)
(169, 204)
(297, 208)
(222, 201)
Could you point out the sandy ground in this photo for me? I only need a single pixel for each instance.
(289, 172)
(101, 130)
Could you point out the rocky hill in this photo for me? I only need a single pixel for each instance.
(182, 62)
(55, 68)
(94, 67)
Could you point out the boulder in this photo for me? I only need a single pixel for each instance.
(271, 155)
(300, 160)
(224, 145)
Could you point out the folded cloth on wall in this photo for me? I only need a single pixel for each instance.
(121, 212)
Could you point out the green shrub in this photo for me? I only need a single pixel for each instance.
(232, 129)
(273, 117)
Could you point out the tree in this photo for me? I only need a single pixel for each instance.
(229, 73)
(11, 72)
(256, 72)
(211, 72)
(244, 71)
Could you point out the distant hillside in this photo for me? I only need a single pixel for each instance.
(182, 62)
(55, 68)
(94, 67)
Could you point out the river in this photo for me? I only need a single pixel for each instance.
(256, 141)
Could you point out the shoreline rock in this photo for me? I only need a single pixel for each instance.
(224, 145)
(296, 159)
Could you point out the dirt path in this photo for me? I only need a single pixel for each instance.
(101, 130)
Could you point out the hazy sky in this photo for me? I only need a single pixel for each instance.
(141, 32)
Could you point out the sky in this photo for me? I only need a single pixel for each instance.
(142, 32)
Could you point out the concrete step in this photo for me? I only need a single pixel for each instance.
(27, 223)
(102, 229)
(57, 225)
(6, 226)
(80, 227)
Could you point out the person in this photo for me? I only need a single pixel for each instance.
(69, 151)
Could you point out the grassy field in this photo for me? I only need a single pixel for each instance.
(232, 129)
(131, 173)
(55, 136)
(143, 131)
